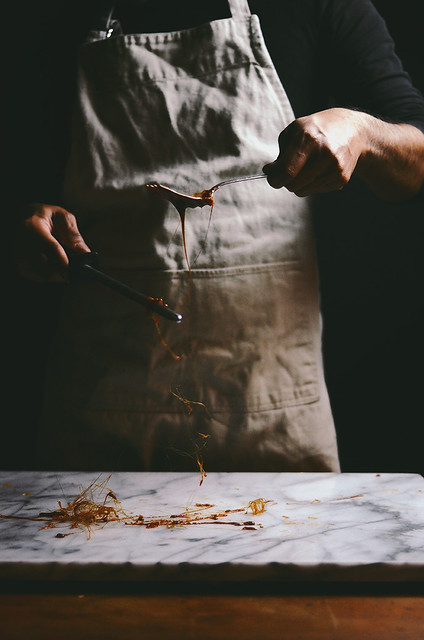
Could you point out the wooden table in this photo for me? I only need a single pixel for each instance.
(212, 612)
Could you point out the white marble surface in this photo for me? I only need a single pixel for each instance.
(317, 526)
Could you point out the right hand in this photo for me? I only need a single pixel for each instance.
(319, 152)
(41, 242)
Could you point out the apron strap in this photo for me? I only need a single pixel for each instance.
(104, 25)
(239, 9)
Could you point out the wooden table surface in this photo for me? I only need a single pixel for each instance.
(212, 612)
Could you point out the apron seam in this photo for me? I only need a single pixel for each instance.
(240, 270)
(278, 406)
(160, 37)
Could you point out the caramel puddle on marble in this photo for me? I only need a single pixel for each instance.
(97, 505)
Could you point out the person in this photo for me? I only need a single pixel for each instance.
(192, 97)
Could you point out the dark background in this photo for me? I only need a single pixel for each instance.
(372, 303)
(372, 267)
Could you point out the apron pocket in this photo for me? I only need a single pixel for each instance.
(253, 340)
(249, 341)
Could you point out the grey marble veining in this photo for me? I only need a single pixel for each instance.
(317, 526)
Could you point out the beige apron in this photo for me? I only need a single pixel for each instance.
(187, 109)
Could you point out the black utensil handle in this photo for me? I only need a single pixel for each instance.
(85, 265)
(132, 294)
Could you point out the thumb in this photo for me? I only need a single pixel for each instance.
(67, 233)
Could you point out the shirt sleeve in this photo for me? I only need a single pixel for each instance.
(364, 71)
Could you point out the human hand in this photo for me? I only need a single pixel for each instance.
(318, 153)
(41, 241)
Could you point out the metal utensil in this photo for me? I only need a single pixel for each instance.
(84, 265)
(255, 176)
(182, 201)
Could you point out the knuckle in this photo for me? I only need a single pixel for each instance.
(342, 172)
(291, 171)
(344, 179)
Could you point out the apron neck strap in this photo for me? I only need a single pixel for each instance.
(104, 25)
(102, 20)
(239, 9)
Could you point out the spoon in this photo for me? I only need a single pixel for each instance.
(182, 201)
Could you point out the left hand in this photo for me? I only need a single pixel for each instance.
(41, 241)
(318, 153)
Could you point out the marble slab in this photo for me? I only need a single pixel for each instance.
(316, 526)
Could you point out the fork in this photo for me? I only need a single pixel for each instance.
(182, 201)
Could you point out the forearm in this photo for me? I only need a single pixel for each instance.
(392, 162)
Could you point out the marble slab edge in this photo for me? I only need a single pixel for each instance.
(225, 572)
